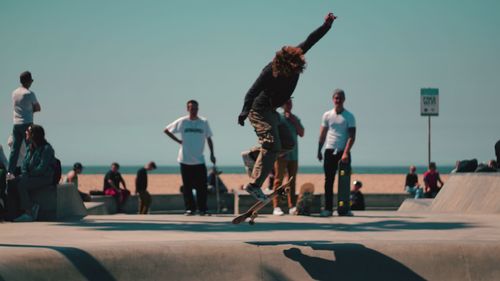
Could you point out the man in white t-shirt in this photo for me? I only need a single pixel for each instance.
(25, 104)
(194, 130)
(338, 128)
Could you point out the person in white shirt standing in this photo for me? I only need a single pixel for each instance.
(25, 104)
(194, 130)
(338, 128)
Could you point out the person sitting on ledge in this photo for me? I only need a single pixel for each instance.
(491, 167)
(72, 177)
(357, 197)
(111, 187)
(37, 172)
(411, 184)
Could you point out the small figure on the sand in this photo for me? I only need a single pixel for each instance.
(72, 177)
(411, 184)
(289, 162)
(111, 187)
(273, 87)
(432, 181)
(357, 197)
(141, 186)
(194, 131)
(497, 153)
(25, 104)
(338, 131)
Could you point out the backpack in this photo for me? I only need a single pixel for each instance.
(56, 167)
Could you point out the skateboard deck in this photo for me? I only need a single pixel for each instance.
(252, 212)
(344, 201)
(305, 199)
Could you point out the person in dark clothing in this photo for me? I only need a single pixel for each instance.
(37, 172)
(141, 185)
(411, 184)
(357, 198)
(111, 187)
(497, 153)
(273, 87)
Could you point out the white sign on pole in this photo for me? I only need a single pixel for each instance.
(429, 102)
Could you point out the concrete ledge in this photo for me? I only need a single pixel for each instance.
(379, 202)
(61, 202)
(96, 208)
(174, 203)
(274, 260)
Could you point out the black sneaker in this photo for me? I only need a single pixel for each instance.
(256, 192)
(205, 213)
(188, 213)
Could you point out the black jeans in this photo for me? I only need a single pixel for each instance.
(330, 166)
(194, 177)
(18, 137)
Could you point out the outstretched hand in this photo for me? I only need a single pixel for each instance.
(330, 18)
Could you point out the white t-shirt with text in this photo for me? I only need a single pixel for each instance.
(193, 135)
(337, 125)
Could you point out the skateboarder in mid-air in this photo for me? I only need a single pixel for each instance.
(272, 89)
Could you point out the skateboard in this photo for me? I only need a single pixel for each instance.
(305, 200)
(252, 212)
(344, 201)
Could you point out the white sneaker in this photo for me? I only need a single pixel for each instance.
(292, 211)
(256, 192)
(278, 212)
(10, 176)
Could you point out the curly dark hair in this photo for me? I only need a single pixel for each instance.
(288, 61)
(37, 134)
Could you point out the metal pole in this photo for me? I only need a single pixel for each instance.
(217, 189)
(429, 141)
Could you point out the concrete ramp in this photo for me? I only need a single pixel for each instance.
(411, 205)
(469, 193)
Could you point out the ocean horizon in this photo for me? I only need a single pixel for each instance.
(239, 169)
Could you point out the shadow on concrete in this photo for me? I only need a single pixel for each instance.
(204, 226)
(349, 261)
(85, 263)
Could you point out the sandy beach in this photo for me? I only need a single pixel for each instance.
(169, 183)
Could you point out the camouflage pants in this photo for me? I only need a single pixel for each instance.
(274, 137)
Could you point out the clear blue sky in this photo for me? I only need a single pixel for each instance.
(111, 74)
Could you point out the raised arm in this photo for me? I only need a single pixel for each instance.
(253, 92)
(317, 34)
